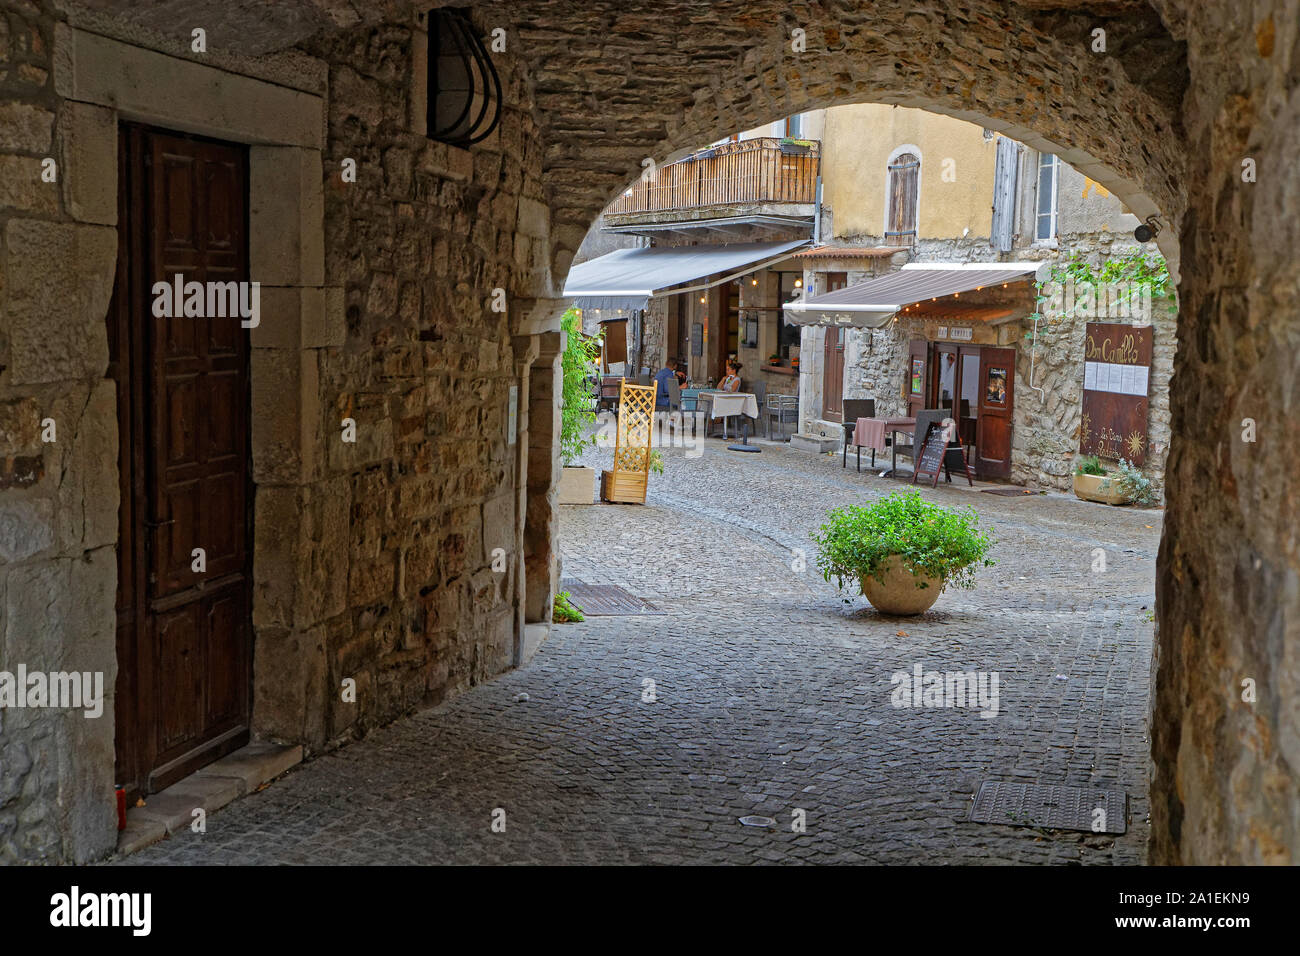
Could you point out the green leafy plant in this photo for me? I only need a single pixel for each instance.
(656, 462)
(1089, 465)
(1134, 485)
(1138, 272)
(577, 364)
(566, 612)
(943, 543)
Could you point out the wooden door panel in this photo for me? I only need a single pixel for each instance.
(227, 635)
(180, 688)
(186, 650)
(993, 432)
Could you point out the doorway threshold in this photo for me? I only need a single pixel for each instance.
(219, 783)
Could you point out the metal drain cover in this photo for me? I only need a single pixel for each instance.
(605, 600)
(758, 821)
(1050, 806)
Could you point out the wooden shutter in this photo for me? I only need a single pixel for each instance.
(1004, 194)
(904, 183)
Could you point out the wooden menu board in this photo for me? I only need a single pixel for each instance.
(929, 461)
(1116, 379)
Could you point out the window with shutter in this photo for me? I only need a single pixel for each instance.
(1004, 194)
(904, 180)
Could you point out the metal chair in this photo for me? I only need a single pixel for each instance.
(782, 409)
(855, 408)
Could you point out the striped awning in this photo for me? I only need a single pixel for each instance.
(870, 304)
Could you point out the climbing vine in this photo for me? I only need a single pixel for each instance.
(1133, 276)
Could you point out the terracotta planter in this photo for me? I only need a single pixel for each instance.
(1100, 488)
(898, 593)
(577, 486)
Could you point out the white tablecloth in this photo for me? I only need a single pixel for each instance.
(726, 404)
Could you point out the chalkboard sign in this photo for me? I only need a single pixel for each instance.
(697, 339)
(929, 461)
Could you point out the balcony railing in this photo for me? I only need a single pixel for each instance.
(764, 170)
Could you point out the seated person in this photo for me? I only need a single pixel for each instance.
(662, 378)
(682, 377)
(731, 381)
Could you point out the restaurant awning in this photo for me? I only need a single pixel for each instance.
(628, 278)
(870, 304)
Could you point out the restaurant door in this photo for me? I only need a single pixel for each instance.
(974, 385)
(996, 391)
(833, 360)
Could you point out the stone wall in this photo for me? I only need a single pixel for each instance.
(1045, 439)
(372, 560)
(58, 448)
(398, 529)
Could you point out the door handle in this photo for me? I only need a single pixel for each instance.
(159, 524)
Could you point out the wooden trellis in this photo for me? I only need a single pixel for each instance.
(626, 482)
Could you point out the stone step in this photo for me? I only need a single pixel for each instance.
(233, 776)
(814, 444)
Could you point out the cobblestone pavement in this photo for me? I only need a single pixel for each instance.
(772, 695)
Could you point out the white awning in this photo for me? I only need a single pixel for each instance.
(870, 304)
(628, 278)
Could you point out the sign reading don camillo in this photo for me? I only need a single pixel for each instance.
(1116, 377)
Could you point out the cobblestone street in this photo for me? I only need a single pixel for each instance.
(772, 694)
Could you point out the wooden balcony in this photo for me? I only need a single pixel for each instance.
(762, 172)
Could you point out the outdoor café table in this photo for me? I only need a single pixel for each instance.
(725, 404)
(867, 433)
(896, 427)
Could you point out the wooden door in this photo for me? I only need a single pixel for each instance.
(996, 396)
(914, 382)
(833, 375)
(833, 359)
(184, 635)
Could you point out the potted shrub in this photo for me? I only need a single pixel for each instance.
(1126, 485)
(774, 359)
(902, 550)
(577, 482)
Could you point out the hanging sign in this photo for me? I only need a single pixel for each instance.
(1116, 380)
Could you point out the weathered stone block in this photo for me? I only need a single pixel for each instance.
(20, 428)
(286, 243)
(285, 416)
(26, 529)
(88, 137)
(22, 188)
(171, 91)
(25, 127)
(89, 489)
(59, 279)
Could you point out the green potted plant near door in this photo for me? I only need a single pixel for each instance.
(577, 482)
(902, 551)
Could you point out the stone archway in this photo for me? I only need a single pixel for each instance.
(1189, 112)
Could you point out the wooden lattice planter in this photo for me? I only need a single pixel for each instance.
(626, 482)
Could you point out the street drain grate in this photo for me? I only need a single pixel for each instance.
(605, 600)
(1051, 807)
(1010, 492)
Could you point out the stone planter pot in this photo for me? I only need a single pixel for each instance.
(577, 486)
(1099, 488)
(898, 593)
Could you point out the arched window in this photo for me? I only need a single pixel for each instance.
(904, 195)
